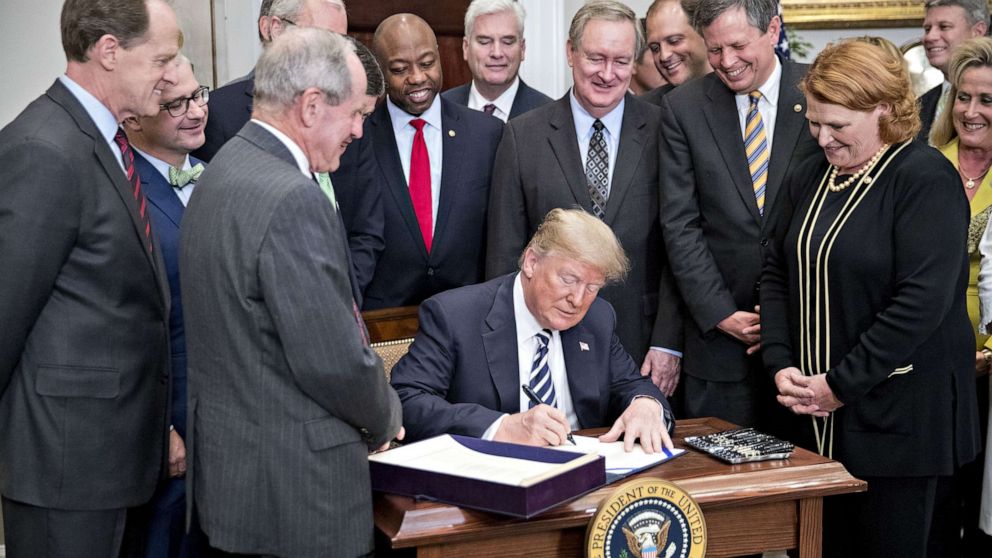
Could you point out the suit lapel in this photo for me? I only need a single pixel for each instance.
(250, 91)
(388, 158)
(721, 114)
(581, 355)
(158, 190)
(566, 150)
(500, 344)
(631, 145)
(108, 160)
(789, 124)
(452, 129)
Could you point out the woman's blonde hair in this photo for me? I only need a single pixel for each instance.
(973, 53)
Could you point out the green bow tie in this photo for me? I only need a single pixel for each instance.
(180, 178)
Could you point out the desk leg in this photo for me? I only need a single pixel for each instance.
(810, 527)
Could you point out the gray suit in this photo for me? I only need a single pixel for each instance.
(538, 168)
(286, 398)
(715, 236)
(84, 333)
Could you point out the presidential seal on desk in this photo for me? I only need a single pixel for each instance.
(647, 518)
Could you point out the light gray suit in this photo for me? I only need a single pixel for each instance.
(286, 398)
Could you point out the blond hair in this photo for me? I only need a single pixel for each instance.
(577, 235)
(973, 53)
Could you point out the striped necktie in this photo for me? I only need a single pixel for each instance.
(132, 177)
(540, 374)
(756, 147)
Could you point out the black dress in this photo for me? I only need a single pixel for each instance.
(867, 285)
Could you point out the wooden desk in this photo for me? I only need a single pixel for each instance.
(749, 508)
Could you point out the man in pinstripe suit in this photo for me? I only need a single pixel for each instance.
(286, 397)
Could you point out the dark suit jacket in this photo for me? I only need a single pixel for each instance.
(902, 349)
(405, 273)
(527, 98)
(462, 373)
(84, 353)
(715, 236)
(230, 108)
(539, 168)
(655, 95)
(285, 397)
(361, 211)
(928, 111)
(166, 214)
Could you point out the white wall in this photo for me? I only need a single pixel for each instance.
(31, 56)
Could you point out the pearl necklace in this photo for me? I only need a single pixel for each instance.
(864, 168)
(970, 184)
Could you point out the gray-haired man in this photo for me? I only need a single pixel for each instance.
(286, 397)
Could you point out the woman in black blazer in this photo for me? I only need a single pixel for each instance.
(864, 324)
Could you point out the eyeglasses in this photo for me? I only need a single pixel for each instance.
(285, 20)
(179, 106)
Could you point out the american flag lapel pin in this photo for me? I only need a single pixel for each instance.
(583, 346)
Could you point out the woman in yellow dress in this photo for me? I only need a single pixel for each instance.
(964, 134)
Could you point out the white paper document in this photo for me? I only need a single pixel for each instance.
(618, 461)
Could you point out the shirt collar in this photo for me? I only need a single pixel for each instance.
(402, 118)
(584, 121)
(98, 112)
(160, 165)
(504, 102)
(301, 159)
(527, 325)
(769, 90)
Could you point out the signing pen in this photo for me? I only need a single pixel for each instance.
(537, 401)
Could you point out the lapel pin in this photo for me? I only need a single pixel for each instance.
(451, 133)
(797, 108)
(583, 346)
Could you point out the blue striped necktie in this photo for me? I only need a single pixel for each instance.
(540, 374)
(756, 147)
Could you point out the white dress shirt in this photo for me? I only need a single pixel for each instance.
(504, 103)
(433, 137)
(612, 124)
(527, 330)
(767, 106)
(163, 168)
(302, 162)
(98, 113)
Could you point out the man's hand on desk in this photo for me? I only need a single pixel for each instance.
(542, 425)
(663, 368)
(641, 420)
(398, 438)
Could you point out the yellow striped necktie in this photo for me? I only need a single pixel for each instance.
(756, 147)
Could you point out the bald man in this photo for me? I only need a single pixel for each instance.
(230, 105)
(433, 163)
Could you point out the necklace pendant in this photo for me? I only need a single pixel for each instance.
(970, 184)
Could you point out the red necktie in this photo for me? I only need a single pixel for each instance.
(420, 182)
(132, 176)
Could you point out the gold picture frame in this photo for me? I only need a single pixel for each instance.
(834, 14)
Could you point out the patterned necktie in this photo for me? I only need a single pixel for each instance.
(132, 176)
(756, 147)
(540, 374)
(180, 178)
(489, 108)
(420, 183)
(324, 180)
(597, 169)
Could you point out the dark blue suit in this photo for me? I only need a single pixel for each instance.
(167, 509)
(462, 373)
(527, 98)
(405, 273)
